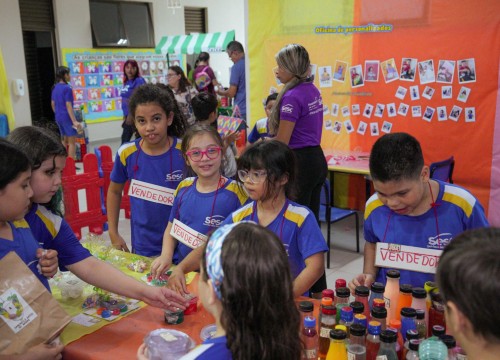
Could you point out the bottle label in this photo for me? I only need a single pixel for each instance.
(351, 356)
(325, 332)
(461, 357)
(387, 302)
(381, 357)
(310, 353)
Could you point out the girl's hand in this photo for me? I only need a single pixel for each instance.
(362, 279)
(48, 262)
(164, 298)
(118, 242)
(142, 352)
(159, 266)
(177, 281)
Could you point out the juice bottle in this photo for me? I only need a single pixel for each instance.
(306, 308)
(408, 317)
(378, 303)
(419, 302)
(387, 349)
(327, 324)
(309, 337)
(341, 299)
(346, 318)
(377, 292)
(412, 353)
(339, 283)
(421, 324)
(357, 307)
(361, 294)
(391, 293)
(337, 349)
(410, 335)
(436, 312)
(380, 314)
(361, 319)
(404, 299)
(373, 340)
(356, 349)
(395, 325)
(325, 301)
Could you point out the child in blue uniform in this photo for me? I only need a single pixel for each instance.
(132, 79)
(201, 204)
(410, 208)
(154, 165)
(267, 171)
(48, 158)
(245, 283)
(261, 128)
(15, 235)
(62, 105)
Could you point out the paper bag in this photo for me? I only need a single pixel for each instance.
(29, 315)
(230, 124)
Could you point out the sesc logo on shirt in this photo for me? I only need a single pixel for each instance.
(214, 221)
(288, 108)
(439, 241)
(174, 176)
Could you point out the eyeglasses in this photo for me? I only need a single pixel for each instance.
(255, 177)
(170, 75)
(211, 152)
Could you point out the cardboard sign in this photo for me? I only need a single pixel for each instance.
(228, 124)
(149, 192)
(396, 256)
(187, 235)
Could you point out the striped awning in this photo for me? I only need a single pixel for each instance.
(194, 43)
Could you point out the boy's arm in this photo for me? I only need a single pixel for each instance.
(113, 201)
(315, 266)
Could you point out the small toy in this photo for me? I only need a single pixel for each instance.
(162, 281)
(138, 266)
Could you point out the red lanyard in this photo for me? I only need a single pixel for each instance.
(136, 165)
(434, 206)
(219, 185)
(284, 209)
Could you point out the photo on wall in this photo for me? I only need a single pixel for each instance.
(408, 69)
(372, 70)
(426, 72)
(389, 70)
(340, 71)
(325, 76)
(446, 69)
(356, 76)
(466, 71)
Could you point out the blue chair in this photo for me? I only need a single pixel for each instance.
(331, 214)
(443, 170)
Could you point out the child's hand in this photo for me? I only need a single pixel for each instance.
(164, 298)
(361, 279)
(118, 242)
(177, 281)
(230, 138)
(48, 262)
(159, 266)
(142, 352)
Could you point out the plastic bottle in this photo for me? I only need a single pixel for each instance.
(395, 325)
(373, 340)
(306, 309)
(387, 349)
(412, 353)
(346, 318)
(357, 307)
(361, 319)
(328, 293)
(377, 292)
(391, 293)
(421, 324)
(337, 349)
(428, 287)
(327, 324)
(361, 294)
(438, 331)
(408, 317)
(341, 299)
(356, 350)
(451, 344)
(404, 299)
(432, 349)
(339, 283)
(380, 315)
(410, 335)
(378, 303)
(419, 302)
(309, 337)
(436, 312)
(325, 301)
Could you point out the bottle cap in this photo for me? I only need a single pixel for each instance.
(420, 314)
(414, 344)
(357, 330)
(411, 334)
(357, 307)
(327, 293)
(338, 334)
(429, 285)
(361, 291)
(346, 314)
(360, 319)
(326, 301)
(379, 313)
(419, 293)
(306, 306)
(339, 283)
(448, 340)
(394, 323)
(341, 327)
(388, 336)
(408, 312)
(342, 292)
(329, 310)
(378, 287)
(438, 330)
(374, 327)
(405, 288)
(393, 274)
(378, 303)
(309, 321)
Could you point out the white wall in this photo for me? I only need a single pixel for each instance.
(72, 19)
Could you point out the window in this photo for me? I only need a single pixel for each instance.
(121, 24)
(195, 20)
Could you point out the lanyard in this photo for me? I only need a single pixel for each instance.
(285, 207)
(136, 165)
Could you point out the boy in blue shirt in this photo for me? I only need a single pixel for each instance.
(409, 208)
(261, 127)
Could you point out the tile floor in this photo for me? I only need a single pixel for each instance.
(345, 262)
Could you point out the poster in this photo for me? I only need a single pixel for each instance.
(97, 77)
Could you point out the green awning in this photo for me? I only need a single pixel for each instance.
(194, 43)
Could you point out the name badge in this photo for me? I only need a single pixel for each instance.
(396, 256)
(187, 235)
(150, 192)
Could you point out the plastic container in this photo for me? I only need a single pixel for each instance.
(391, 293)
(174, 317)
(432, 349)
(167, 344)
(208, 332)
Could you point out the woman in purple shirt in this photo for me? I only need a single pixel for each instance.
(132, 80)
(297, 120)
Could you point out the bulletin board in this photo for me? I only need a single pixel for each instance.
(5, 99)
(429, 68)
(97, 77)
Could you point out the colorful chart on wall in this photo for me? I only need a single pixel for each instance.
(97, 77)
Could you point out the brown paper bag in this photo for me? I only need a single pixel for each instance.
(29, 315)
